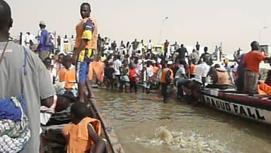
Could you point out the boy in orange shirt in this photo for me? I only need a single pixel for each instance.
(82, 134)
(69, 76)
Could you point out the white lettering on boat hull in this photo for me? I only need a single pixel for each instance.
(253, 113)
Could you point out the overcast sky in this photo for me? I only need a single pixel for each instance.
(235, 23)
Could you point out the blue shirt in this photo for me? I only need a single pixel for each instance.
(44, 41)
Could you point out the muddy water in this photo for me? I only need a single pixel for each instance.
(144, 124)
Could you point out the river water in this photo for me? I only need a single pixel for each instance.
(144, 124)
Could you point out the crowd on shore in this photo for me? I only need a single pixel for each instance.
(129, 65)
(126, 66)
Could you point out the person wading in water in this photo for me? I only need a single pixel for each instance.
(166, 79)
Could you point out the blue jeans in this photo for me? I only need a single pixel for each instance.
(83, 71)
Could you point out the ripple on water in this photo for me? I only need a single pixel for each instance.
(183, 141)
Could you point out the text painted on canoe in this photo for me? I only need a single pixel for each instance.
(234, 108)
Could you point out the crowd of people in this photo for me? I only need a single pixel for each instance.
(129, 65)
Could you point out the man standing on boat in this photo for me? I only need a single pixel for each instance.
(252, 62)
(183, 54)
(85, 45)
(206, 57)
(197, 46)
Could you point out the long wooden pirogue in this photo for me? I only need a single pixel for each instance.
(255, 107)
(54, 142)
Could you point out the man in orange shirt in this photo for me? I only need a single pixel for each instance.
(252, 62)
(61, 74)
(96, 70)
(85, 45)
(166, 79)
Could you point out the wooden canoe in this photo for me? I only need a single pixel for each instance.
(54, 142)
(257, 108)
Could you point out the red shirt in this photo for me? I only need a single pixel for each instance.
(252, 60)
(132, 74)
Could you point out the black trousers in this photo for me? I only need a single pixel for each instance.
(133, 85)
(164, 91)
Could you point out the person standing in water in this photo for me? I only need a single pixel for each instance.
(166, 79)
(85, 43)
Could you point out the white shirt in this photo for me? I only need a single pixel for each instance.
(110, 60)
(139, 68)
(180, 72)
(65, 41)
(149, 45)
(27, 38)
(149, 71)
(172, 49)
(117, 65)
(159, 60)
(201, 71)
(140, 46)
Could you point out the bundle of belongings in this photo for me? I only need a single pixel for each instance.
(14, 124)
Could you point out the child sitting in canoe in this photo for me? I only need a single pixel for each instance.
(67, 78)
(82, 134)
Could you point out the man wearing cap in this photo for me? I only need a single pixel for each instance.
(43, 47)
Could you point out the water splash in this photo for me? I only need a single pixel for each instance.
(189, 142)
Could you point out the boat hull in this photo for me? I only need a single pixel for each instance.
(54, 141)
(239, 105)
